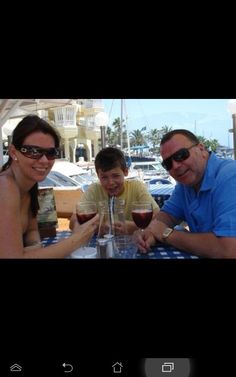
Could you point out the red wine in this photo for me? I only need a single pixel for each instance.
(142, 217)
(83, 217)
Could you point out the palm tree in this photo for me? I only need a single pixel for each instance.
(110, 137)
(154, 137)
(117, 133)
(138, 138)
(164, 130)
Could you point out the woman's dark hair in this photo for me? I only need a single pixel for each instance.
(27, 126)
(180, 131)
(110, 158)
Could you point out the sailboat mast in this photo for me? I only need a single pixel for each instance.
(128, 142)
(121, 123)
(121, 127)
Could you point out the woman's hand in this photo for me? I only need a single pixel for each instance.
(73, 221)
(86, 230)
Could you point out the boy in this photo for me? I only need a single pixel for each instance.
(111, 169)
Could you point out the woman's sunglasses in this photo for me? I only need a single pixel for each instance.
(36, 153)
(181, 155)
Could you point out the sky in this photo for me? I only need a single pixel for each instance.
(204, 117)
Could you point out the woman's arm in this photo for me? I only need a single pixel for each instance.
(32, 236)
(11, 219)
(81, 234)
(12, 228)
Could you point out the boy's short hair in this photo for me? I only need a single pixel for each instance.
(110, 158)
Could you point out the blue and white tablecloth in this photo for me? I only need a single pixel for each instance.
(161, 192)
(161, 251)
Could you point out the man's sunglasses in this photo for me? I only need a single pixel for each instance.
(36, 153)
(181, 155)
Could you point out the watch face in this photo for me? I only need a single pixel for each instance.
(167, 232)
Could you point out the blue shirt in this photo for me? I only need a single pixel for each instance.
(213, 207)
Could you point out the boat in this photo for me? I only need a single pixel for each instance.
(149, 170)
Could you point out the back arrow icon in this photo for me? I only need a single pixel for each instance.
(69, 367)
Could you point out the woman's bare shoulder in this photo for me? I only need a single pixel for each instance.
(8, 185)
(7, 179)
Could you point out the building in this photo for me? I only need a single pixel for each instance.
(75, 120)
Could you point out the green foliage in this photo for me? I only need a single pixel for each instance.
(210, 144)
(144, 137)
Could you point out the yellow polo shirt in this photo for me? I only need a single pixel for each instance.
(134, 191)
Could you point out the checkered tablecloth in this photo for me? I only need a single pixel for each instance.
(165, 252)
(161, 192)
(160, 251)
(59, 236)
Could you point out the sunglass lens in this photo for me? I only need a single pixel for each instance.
(52, 153)
(36, 152)
(181, 155)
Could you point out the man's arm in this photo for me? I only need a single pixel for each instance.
(201, 244)
(164, 217)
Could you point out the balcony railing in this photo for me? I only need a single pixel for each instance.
(65, 116)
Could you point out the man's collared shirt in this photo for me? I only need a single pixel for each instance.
(213, 207)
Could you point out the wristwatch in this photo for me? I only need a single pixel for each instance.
(166, 233)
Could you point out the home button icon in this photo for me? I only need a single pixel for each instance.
(117, 367)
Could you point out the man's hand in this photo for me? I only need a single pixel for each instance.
(144, 240)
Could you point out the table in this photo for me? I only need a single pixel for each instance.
(160, 251)
(161, 192)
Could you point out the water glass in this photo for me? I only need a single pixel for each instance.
(124, 247)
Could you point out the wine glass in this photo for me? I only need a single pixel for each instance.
(84, 212)
(142, 213)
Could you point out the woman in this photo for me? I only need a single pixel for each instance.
(35, 145)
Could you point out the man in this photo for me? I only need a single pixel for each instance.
(111, 168)
(204, 197)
